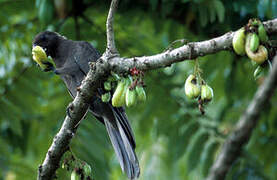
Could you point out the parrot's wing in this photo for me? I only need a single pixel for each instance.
(115, 119)
(86, 53)
(70, 84)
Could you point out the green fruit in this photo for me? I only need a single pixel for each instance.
(239, 41)
(39, 54)
(74, 176)
(107, 86)
(126, 87)
(118, 99)
(118, 93)
(87, 170)
(262, 33)
(41, 58)
(141, 93)
(131, 97)
(260, 56)
(192, 89)
(106, 97)
(254, 42)
(206, 93)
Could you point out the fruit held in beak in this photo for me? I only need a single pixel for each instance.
(40, 57)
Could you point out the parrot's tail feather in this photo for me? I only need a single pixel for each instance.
(124, 150)
(121, 117)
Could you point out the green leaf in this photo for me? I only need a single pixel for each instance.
(220, 10)
(195, 148)
(208, 156)
(212, 12)
(203, 13)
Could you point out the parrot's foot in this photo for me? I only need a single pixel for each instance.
(56, 71)
(49, 67)
(68, 110)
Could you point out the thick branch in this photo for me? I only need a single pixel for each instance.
(190, 51)
(108, 63)
(242, 133)
(77, 110)
(111, 48)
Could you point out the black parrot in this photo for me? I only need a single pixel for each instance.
(71, 59)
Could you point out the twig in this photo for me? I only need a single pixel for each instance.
(111, 48)
(242, 133)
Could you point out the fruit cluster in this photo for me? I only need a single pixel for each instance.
(197, 88)
(79, 169)
(194, 89)
(129, 90)
(251, 40)
(41, 58)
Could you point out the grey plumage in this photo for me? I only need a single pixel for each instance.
(71, 59)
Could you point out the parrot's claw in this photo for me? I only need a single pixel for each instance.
(49, 67)
(56, 71)
(68, 112)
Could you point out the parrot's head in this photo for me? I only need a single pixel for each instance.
(48, 41)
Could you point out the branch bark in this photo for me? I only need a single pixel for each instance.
(110, 61)
(111, 48)
(186, 52)
(242, 133)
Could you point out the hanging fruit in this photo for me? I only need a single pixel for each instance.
(254, 42)
(141, 93)
(206, 93)
(239, 41)
(119, 92)
(260, 56)
(131, 97)
(262, 33)
(192, 89)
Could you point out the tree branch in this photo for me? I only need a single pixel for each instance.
(111, 48)
(77, 110)
(107, 63)
(242, 133)
(186, 52)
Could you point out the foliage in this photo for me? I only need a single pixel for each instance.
(173, 139)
